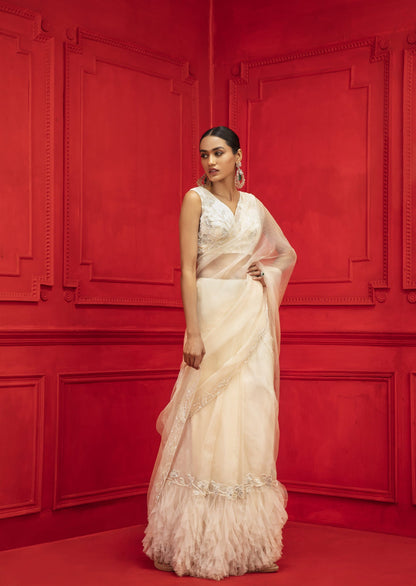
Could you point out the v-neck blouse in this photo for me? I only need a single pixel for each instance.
(218, 199)
(219, 227)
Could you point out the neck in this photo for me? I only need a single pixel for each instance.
(225, 188)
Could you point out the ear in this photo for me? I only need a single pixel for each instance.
(239, 155)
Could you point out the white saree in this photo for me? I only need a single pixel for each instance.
(215, 506)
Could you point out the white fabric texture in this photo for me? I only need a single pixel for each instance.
(215, 506)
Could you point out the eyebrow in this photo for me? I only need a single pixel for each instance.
(214, 149)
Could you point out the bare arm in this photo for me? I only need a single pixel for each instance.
(188, 235)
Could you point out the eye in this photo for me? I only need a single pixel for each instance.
(218, 153)
(203, 156)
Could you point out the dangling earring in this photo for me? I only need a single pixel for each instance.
(239, 178)
(203, 180)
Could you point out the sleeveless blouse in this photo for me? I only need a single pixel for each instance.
(218, 226)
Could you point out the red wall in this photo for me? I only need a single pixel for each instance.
(322, 94)
(104, 106)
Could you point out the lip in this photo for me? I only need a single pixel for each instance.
(212, 171)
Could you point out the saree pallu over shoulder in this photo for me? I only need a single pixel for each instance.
(219, 431)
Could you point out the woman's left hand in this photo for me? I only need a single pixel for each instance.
(256, 273)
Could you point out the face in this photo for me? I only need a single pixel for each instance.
(217, 158)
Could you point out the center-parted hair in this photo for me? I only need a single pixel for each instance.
(226, 134)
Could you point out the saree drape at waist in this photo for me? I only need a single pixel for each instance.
(234, 321)
(225, 266)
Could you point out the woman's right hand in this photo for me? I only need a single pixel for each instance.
(193, 350)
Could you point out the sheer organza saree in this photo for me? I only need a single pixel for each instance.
(215, 506)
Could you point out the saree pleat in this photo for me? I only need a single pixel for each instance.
(215, 506)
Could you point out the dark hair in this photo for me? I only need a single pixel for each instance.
(226, 134)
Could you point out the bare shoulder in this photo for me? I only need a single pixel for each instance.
(191, 207)
(192, 195)
(192, 201)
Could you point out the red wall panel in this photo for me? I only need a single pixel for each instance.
(409, 179)
(104, 450)
(100, 125)
(345, 447)
(322, 95)
(21, 444)
(26, 156)
(137, 109)
(100, 122)
(413, 433)
(324, 115)
(81, 462)
(349, 420)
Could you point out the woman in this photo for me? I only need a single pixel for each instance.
(215, 506)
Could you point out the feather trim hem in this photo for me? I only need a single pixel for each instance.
(210, 536)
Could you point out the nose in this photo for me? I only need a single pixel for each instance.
(211, 159)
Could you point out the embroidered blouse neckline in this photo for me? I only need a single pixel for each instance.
(224, 204)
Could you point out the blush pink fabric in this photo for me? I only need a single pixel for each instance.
(215, 506)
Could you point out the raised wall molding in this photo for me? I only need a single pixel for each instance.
(350, 338)
(409, 175)
(366, 63)
(27, 222)
(379, 380)
(114, 239)
(70, 467)
(22, 444)
(413, 434)
(96, 336)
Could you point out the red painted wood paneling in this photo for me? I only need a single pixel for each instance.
(132, 107)
(413, 433)
(337, 100)
(97, 438)
(26, 155)
(21, 444)
(100, 126)
(104, 106)
(323, 99)
(104, 448)
(349, 419)
(409, 179)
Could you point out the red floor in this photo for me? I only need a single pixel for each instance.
(314, 555)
